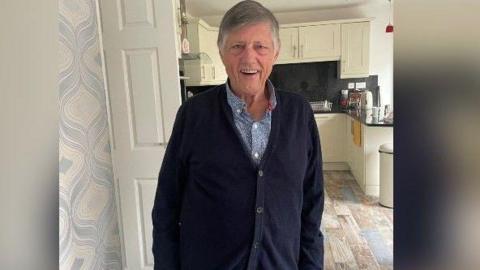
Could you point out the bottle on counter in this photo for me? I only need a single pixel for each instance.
(344, 99)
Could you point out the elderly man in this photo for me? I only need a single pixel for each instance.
(241, 184)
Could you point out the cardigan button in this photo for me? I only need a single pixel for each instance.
(259, 210)
(260, 173)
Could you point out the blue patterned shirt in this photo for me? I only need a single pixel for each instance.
(254, 133)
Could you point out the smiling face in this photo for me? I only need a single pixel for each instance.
(248, 54)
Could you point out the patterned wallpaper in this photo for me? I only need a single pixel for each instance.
(88, 229)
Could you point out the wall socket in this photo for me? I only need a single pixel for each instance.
(351, 85)
(360, 85)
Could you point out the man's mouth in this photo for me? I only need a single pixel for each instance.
(247, 71)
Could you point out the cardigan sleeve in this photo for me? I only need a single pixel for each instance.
(311, 239)
(166, 208)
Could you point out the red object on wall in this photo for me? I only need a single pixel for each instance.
(389, 28)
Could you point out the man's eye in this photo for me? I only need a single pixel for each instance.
(237, 46)
(261, 47)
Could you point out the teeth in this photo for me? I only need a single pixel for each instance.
(250, 71)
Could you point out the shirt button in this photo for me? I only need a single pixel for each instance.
(259, 210)
(255, 125)
(255, 155)
(260, 173)
(239, 111)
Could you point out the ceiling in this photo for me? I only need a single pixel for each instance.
(203, 8)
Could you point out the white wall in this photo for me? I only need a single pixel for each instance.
(28, 135)
(381, 43)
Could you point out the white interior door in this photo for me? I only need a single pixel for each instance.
(144, 95)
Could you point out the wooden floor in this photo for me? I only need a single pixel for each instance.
(358, 231)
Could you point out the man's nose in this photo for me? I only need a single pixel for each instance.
(249, 52)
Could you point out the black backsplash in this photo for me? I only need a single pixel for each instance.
(317, 81)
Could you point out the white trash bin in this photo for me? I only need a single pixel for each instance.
(386, 174)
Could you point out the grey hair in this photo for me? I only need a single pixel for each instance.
(246, 13)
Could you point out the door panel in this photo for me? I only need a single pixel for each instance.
(144, 94)
(320, 41)
(355, 50)
(289, 44)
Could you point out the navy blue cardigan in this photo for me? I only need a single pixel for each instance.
(215, 209)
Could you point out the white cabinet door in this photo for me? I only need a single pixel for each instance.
(374, 137)
(219, 75)
(288, 44)
(320, 42)
(326, 125)
(144, 94)
(331, 128)
(358, 157)
(209, 69)
(199, 71)
(355, 50)
(309, 43)
(355, 154)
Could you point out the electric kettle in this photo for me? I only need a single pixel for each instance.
(366, 100)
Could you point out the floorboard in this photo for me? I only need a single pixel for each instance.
(358, 231)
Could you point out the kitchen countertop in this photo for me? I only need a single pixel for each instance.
(364, 116)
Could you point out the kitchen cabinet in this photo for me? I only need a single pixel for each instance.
(346, 41)
(355, 153)
(331, 128)
(354, 62)
(289, 44)
(207, 68)
(363, 159)
(340, 152)
(374, 137)
(309, 43)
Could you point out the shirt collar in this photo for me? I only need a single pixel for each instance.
(237, 103)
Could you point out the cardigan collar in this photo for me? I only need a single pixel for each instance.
(275, 128)
(237, 103)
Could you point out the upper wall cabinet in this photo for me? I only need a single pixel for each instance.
(309, 43)
(289, 45)
(355, 50)
(346, 41)
(208, 69)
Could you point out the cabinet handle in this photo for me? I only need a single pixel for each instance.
(301, 50)
(202, 72)
(294, 51)
(213, 72)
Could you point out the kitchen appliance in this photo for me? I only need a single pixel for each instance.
(354, 99)
(366, 100)
(344, 99)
